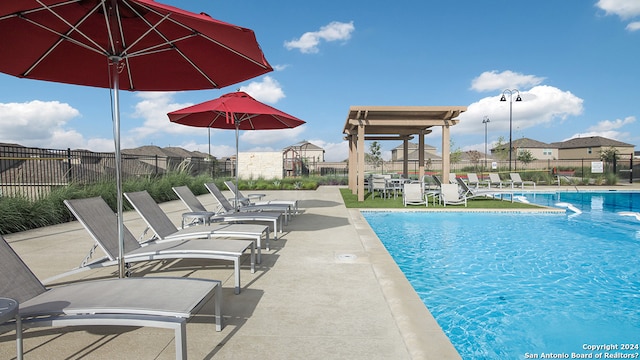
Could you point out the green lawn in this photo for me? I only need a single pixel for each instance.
(351, 201)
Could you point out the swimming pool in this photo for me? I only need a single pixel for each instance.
(516, 286)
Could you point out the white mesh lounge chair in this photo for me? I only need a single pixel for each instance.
(101, 223)
(247, 213)
(154, 301)
(471, 193)
(495, 181)
(450, 195)
(517, 180)
(164, 229)
(246, 200)
(412, 194)
(474, 181)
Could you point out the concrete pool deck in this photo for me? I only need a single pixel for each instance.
(327, 289)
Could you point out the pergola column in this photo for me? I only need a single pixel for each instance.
(420, 155)
(405, 158)
(445, 154)
(360, 151)
(353, 165)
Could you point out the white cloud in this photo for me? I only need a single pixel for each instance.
(39, 124)
(493, 81)
(268, 90)
(309, 41)
(541, 105)
(608, 129)
(153, 109)
(265, 137)
(333, 152)
(625, 9)
(634, 26)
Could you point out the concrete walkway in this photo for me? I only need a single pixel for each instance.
(327, 290)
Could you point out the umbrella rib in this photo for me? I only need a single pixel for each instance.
(169, 43)
(61, 35)
(234, 51)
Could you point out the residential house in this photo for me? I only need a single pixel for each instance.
(305, 150)
(397, 153)
(590, 147)
(538, 149)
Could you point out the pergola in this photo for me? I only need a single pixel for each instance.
(396, 123)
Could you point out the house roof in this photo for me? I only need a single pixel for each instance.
(413, 146)
(527, 144)
(152, 150)
(591, 141)
(305, 145)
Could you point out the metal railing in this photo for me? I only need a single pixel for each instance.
(34, 172)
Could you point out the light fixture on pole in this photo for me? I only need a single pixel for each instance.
(504, 98)
(485, 121)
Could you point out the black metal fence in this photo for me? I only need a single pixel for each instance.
(33, 172)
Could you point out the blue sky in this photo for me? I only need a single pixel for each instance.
(574, 62)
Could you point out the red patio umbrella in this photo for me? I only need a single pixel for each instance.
(124, 44)
(236, 110)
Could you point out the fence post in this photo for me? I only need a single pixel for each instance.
(631, 169)
(69, 177)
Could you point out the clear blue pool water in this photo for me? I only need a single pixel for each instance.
(515, 286)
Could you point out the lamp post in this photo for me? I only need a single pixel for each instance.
(485, 121)
(504, 98)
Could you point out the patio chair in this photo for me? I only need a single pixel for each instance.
(379, 185)
(413, 194)
(452, 178)
(494, 180)
(246, 213)
(159, 302)
(164, 229)
(450, 195)
(246, 200)
(100, 222)
(516, 179)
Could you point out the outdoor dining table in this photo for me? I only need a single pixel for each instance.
(395, 185)
(201, 217)
(8, 311)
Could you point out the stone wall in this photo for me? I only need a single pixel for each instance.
(254, 165)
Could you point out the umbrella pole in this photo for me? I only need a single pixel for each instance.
(118, 158)
(237, 153)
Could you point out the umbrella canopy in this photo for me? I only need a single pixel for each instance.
(238, 111)
(124, 44)
(156, 47)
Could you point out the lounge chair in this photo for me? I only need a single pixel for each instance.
(159, 302)
(194, 205)
(471, 193)
(247, 213)
(246, 200)
(452, 178)
(473, 180)
(516, 179)
(450, 195)
(412, 194)
(101, 223)
(164, 229)
(495, 181)
(244, 204)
